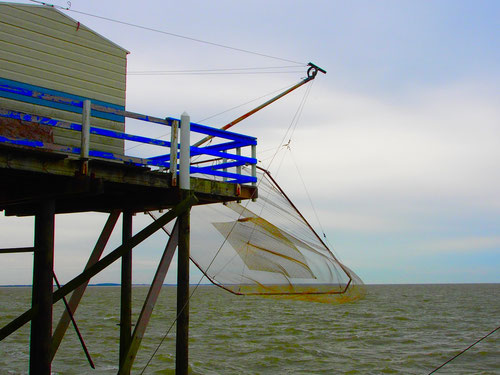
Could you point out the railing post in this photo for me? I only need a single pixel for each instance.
(174, 148)
(185, 152)
(238, 171)
(254, 166)
(85, 137)
(238, 168)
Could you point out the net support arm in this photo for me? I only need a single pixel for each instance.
(311, 74)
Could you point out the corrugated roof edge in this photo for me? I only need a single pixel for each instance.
(70, 18)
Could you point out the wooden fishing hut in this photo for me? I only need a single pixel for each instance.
(62, 150)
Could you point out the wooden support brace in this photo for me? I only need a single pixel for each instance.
(103, 263)
(17, 250)
(77, 295)
(149, 303)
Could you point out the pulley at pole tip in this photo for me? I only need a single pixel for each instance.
(313, 70)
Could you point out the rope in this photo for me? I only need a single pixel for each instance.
(183, 36)
(189, 299)
(225, 239)
(278, 149)
(68, 8)
(209, 70)
(307, 193)
(218, 114)
(166, 73)
(463, 351)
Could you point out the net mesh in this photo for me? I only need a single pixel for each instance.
(266, 247)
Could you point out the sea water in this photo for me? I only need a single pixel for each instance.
(396, 329)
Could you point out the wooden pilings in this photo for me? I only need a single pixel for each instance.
(182, 335)
(41, 350)
(149, 303)
(101, 264)
(43, 264)
(126, 290)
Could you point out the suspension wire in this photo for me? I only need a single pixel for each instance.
(293, 125)
(213, 259)
(307, 192)
(207, 73)
(209, 70)
(463, 351)
(183, 36)
(298, 114)
(210, 264)
(221, 113)
(306, 94)
(190, 296)
(243, 104)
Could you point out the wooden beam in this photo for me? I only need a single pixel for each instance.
(43, 264)
(102, 264)
(17, 250)
(182, 334)
(126, 291)
(149, 303)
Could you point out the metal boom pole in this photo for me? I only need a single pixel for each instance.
(311, 74)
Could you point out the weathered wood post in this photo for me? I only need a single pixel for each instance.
(254, 168)
(85, 137)
(182, 337)
(126, 290)
(43, 264)
(174, 146)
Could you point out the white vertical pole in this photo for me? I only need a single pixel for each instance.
(85, 136)
(254, 166)
(174, 148)
(185, 154)
(182, 335)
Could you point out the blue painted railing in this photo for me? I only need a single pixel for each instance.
(227, 154)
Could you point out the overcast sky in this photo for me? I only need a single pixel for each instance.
(398, 144)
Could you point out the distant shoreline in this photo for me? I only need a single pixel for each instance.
(208, 284)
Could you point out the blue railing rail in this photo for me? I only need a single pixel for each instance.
(227, 154)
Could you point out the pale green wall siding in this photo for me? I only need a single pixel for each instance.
(43, 47)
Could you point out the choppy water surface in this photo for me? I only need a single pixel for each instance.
(396, 329)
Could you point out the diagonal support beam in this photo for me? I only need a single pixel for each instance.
(77, 295)
(17, 250)
(75, 326)
(103, 263)
(149, 303)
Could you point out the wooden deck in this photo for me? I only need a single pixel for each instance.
(28, 176)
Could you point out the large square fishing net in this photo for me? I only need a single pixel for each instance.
(266, 247)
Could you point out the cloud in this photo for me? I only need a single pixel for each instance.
(461, 245)
(439, 145)
(353, 221)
